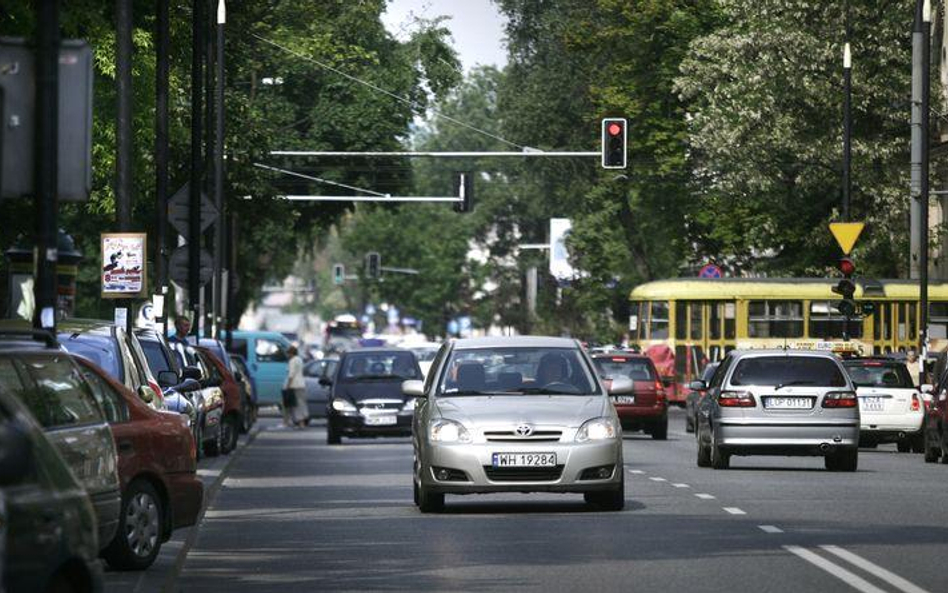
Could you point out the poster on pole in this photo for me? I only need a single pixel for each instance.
(560, 267)
(124, 270)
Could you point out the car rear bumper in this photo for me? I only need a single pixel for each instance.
(887, 423)
(108, 508)
(475, 461)
(785, 438)
(635, 412)
(186, 494)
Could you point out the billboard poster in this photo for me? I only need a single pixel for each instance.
(560, 267)
(123, 265)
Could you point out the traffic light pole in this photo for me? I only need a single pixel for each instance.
(923, 23)
(194, 213)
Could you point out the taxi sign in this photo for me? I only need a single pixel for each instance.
(846, 234)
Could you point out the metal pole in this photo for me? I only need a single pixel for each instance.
(194, 222)
(219, 171)
(123, 114)
(232, 313)
(161, 154)
(923, 196)
(46, 163)
(847, 130)
(435, 154)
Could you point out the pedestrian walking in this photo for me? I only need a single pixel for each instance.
(295, 387)
(179, 341)
(911, 363)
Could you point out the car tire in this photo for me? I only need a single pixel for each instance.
(689, 424)
(932, 451)
(704, 452)
(199, 441)
(138, 540)
(332, 435)
(660, 430)
(719, 459)
(917, 442)
(430, 501)
(230, 432)
(843, 460)
(607, 500)
(213, 448)
(903, 445)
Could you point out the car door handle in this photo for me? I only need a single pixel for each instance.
(125, 447)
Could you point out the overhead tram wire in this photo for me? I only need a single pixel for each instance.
(388, 93)
(320, 180)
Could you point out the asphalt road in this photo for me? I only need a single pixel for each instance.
(294, 514)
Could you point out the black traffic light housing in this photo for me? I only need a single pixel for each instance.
(338, 274)
(464, 189)
(373, 265)
(846, 288)
(614, 142)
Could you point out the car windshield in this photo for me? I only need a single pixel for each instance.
(101, 350)
(519, 371)
(370, 366)
(635, 369)
(157, 361)
(783, 371)
(878, 374)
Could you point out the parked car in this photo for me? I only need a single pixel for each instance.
(50, 384)
(238, 367)
(366, 398)
(248, 412)
(694, 397)
(47, 521)
(516, 414)
(157, 469)
(891, 408)
(936, 424)
(318, 376)
(644, 407)
(265, 353)
(212, 433)
(779, 402)
(234, 406)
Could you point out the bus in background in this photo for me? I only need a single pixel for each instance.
(341, 334)
(684, 323)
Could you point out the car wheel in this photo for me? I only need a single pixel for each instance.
(199, 440)
(230, 430)
(430, 501)
(660, 430)
(917, 441)
(719, 459)
(689, 423)
(332, 435)
(903, 446)
(932, 450)
(704, 452)
(213, 448)
(843, 460)
(138, 540)
(608, 500)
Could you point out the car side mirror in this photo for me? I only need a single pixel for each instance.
(187, 386)
(167, 379)
(413, 388)
(927, 388)
(697, 385)
(146, 394)
(16, 454)
(621, 385)
(191, 372)
(325, 381)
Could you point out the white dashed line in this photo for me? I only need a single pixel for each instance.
(657, 479)
(874, 569)
(636, 471)
(704, 496)
(681, 485)
(770, 529)
(734, 511)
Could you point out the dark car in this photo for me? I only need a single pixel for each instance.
(238, 366)
(936, 424)
(694, 397)
(47, 521)
(157, 469)
(316, 373)
(366, 397)
(247, 412)
(50, 384)
(645, 408)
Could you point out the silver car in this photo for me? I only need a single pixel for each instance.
(779, 402)
(515, 414)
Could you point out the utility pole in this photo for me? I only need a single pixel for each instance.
(161, 156)
(219, 227)
(194, 214)
(847, 129)
(46, 162)
(123, 115)
(923, 26)
(207, 291)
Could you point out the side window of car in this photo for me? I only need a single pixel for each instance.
(718, 378)
(435, 364)
(111, 402)
(270, 351)
(59, 396)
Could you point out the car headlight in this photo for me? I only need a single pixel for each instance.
(409, 406)
(597, 429)
(342, 405)
(448, 431)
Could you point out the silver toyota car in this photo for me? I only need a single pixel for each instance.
(779, 402)
(515, 414)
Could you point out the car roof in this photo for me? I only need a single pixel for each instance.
(515, 342)
(781, 352)
(618, 354)
(374, 349)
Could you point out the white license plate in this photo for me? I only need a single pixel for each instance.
(624, 399)
(380, 420)
(524, 459)
(871, 404)
(788, 403)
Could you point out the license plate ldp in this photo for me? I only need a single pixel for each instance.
(380, 420)
(871, 404)
(524, 459)
(788, 403)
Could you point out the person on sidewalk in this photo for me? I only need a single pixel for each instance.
(295, 382)
(911, 363)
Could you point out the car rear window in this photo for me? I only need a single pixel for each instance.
(877, 374)
(635, 369)
(101, 350)
(788, 370)
(60, 396)
(368, 366)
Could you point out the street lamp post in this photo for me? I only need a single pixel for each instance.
(923, 25)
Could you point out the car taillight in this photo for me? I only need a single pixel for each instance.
(659, 387)
(916, 405)
(840, 399)
(736, 399)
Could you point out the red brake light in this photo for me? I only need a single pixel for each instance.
(618, 359)
(736, 399)
(840, 399)
(872, 364)
(916, 405)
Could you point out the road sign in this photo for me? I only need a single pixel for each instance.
(178, 266)
(710, 271)
(846, 234)
(179, 211)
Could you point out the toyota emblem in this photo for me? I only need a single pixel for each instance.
(524, 430)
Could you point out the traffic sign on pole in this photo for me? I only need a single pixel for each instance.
(846, 234)
(179, 213)
(178, 266)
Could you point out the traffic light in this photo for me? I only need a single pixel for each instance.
(373, 265)
(846, 288)
(614, 142)
(464, 189)
(338, 274)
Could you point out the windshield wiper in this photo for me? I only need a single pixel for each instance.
(545, 391)
(473, 392)
(789, 383)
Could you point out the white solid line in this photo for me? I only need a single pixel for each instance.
(734, 511)
(875, 569)
(681, 485)
(636, 471)
(704, 496)
(657, 479)
(835, 570)
(770, 529)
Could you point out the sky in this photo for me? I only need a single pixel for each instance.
(476, 26)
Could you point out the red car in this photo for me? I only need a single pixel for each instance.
(646, 408)
(935, 425)
(157, 471)
(232, 419)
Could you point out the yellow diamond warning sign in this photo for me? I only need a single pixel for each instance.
(846, 233)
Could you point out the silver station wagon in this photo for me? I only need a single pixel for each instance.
(515, 414)
(779, 402)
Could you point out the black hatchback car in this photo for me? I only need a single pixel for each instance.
(366, 397)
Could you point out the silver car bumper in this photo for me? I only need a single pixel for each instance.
(479, 475)
(785, 437)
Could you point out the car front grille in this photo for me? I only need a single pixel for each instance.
(377, 406)
(523, 474)
(510, 436)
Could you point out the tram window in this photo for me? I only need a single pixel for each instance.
(938, 321)
(681, 320)
(658, 320)
(775, 319)
(878, 320)
(714, 320)
(640, 329)
(886, 321)
(912, 320)
(697, 317)
(826, 322)
(730, 323)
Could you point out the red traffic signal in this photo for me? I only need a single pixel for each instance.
(614, 129)
(847, 267)
(614, 142)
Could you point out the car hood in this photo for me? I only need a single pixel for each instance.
(359, 391)
(490, 410)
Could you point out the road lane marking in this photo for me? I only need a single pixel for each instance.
(636, 471)
(734, 511)
(851, 579)
(704, 496)
(657, 479)
(874, 569)
(681, 485)
(770, 529)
